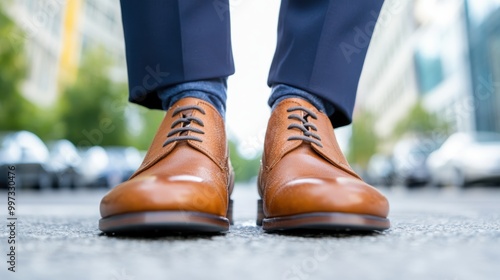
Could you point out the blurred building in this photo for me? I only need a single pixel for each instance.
(442, 62)
(388, 87)
(57, 32)
(101, 25)
(444, 52)
(483, 23)
(41, 22)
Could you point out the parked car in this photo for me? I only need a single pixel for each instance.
(123, 161)
(380, 170)
(29, 155)
(63, 160)
(409, 158)
(92, 167)
(466, 158)
(106, 167)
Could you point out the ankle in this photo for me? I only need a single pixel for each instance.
(281, 92)
(213, 91)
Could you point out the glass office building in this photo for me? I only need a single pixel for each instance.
(483, 26)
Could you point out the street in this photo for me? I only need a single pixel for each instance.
(435, 234)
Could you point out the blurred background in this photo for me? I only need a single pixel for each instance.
(427, 113)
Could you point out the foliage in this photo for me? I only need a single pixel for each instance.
(245, 169)
(90, 108)
(17, 113)
(364, 141)
(13, 107)
(420, 122)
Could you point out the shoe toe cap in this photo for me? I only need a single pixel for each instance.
(310, 195)
(155, 193)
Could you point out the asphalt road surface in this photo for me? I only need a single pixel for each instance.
(435, 234)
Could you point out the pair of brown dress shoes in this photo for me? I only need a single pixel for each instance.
(186, 179)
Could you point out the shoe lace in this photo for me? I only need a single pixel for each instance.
(305, 126)
(186, 121)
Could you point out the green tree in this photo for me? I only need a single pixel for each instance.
(90, 108)
(245, 169)
(17, 113)
(419, 121)
(364, 141)
(14, 109)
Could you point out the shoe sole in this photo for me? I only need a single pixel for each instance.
(154, 222)
(322, 221)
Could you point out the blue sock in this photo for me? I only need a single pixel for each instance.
(281, 92)
(213, 91)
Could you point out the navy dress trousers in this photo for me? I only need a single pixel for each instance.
(321, 46)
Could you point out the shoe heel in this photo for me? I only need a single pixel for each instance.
(260, 212)
(229, 214)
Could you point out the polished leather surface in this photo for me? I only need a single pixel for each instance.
(184, 175)
(299, 177)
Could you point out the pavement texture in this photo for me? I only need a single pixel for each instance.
(435, 234)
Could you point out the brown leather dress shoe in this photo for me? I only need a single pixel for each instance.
(306, 183)
(184, 182)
